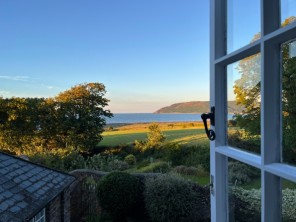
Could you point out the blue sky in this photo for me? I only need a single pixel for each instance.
(148, 53)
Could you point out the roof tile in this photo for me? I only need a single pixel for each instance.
(26, 187)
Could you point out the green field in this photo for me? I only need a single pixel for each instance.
(188, 136)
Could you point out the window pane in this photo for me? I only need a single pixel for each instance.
(289, 102)
(242, 28)
(288, 11)
(244, 192)
(289, 201)
(243, 94)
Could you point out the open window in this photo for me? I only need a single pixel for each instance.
(253, 62)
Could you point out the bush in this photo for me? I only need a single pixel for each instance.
(120, 195)
(245, 205)
(171, 199)
(117, 165)
(130, 159)
(157, 167)
(244, 141)
(192, 171)
(240, 173)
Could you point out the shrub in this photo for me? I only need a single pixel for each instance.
(157, 167)
(130, 159)
(245, 205)
(244, 141)
(117, 165)
(187, 155)
(192, 171)
(171, 199)
(240, 173)
(120, 195)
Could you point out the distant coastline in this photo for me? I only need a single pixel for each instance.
(129, 118)
(196, 107)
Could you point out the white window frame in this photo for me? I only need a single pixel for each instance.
(39, 217)
(270, 161)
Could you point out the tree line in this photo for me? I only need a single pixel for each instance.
(74, 118)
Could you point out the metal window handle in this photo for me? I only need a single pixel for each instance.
(210, 133)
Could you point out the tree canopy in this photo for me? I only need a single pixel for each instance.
(74, 118)
(247, 91)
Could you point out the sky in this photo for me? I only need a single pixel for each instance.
(147, 53)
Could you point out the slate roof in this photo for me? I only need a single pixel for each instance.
(26, 188)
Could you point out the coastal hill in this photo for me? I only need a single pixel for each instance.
(196, 107)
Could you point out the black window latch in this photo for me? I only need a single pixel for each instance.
(210, 133)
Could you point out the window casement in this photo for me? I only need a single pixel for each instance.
(265, 57)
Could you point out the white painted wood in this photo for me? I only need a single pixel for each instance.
(272, 170)
(271, 199)
(217, 85)
(239, 54)
(240, 155)
(282, 170)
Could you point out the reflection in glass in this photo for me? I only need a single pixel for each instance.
(244, 192)
(288, 12)
(244, 101)
(288, 201)
(242, 28)
(289, 101)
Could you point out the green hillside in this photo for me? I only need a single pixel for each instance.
(196, 107)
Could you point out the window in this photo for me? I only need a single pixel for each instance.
(258, 73)
(39, 217)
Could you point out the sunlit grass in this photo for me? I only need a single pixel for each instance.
(184, 133)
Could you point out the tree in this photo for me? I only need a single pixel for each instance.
(75, 118)
(247, 91)
(80, 115)
(18, 123)
(155, 139)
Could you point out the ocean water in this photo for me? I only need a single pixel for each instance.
(153, 117)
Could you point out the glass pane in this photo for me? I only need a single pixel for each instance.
(242, 28)
(289, 201)
(243, 94)
(289, 101)
(288, 11)
(244, 192)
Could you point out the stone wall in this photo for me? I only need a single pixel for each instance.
(59, 209)
(53, 210)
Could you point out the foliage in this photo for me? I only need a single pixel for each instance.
(71, 160)
(244, 141)
(117, 165)
(157, 167)
(192, 171)
(120, 194)
(289, 205)
(155, 139)
(130, 159)
(247, 91)
(74, 118)
(240, 173)
(246, 205)
(187, 155)
(172, 199)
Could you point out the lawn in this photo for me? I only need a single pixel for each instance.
(182, 133)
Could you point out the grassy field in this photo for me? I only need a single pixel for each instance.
(184, 133)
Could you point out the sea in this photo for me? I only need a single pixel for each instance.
(154, 117)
